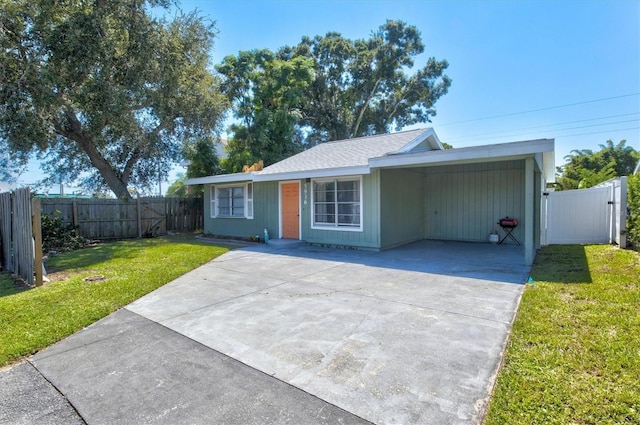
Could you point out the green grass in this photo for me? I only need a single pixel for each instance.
(574, 352)
(33, 319)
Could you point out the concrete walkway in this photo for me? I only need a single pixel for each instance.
(296, 334)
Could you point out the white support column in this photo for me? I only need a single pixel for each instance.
(529, 206)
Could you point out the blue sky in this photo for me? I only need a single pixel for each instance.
(575, 64)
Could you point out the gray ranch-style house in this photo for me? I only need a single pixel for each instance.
(382, 191)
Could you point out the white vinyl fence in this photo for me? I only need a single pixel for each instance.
(583, 216)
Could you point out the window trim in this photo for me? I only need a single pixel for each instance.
(247, 200)
(335, 226)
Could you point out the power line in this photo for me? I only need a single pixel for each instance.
(556, 130)
(599, 132)
(540, 109)
(462, 138)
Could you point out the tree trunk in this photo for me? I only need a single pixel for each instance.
(73, 132)
(115, 183)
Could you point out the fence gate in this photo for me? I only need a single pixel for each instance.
(578, 216)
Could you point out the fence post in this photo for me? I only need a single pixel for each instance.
(139, 213)
(74, 213)
(36, 216)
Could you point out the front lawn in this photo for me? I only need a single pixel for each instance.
(574, 351)
(89, 284)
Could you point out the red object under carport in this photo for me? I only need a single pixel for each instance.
(508, 224)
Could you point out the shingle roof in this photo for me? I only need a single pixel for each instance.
(344, 153)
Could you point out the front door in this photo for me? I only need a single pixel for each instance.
(290, 210)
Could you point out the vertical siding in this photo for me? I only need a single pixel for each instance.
(401, 206)
(265, 214)
(464, 202)
(369, 237)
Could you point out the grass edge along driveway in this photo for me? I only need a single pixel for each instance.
(93, 282)
(574, 351)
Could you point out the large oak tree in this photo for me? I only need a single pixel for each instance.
(367, 86)
(104, 88)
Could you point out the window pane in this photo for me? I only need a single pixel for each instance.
(324, 219)
(238, 211)
(224, 202)
(324, 192)
(348, 209)
(349, 191)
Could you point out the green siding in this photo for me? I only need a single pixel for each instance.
(265, 214)
(402, 211)
(464, 202)
(448, 202)
(368, 238)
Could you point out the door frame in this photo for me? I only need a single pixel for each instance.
(299, 183)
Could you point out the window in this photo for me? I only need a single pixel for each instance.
(337, 204)
(232, 201)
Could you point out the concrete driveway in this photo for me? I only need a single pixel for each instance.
(297, 334)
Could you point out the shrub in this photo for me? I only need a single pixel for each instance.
(633, 204)
(58, 235)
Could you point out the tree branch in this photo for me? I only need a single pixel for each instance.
(138, 151)
(364, 108)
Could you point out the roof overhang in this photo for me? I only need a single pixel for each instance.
(315, 174)
(430, 139)
(498, 152)
(221, 178)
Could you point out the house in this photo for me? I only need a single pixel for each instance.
(382, 191)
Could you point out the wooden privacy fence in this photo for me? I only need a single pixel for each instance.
(20, 235)
(130, 218)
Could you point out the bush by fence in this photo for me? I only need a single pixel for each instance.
(633, 203)
(119, 219)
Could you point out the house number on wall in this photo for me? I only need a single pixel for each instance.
(306, 190)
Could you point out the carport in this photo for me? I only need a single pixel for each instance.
(460, 194)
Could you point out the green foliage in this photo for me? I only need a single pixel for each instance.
(633, 204)
(585, 168)
(33, 319)
(58, 235)
(572, 357)
(327, 88)
(362, 87)
(267, 93)
(9, 285)
(202, 157)
(104, 88)
(203, 161)
(178, 189)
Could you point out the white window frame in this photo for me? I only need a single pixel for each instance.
(247, 198)
(335, 226)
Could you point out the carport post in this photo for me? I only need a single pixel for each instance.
(529, 206)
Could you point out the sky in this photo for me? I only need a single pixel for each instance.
(520, 70)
